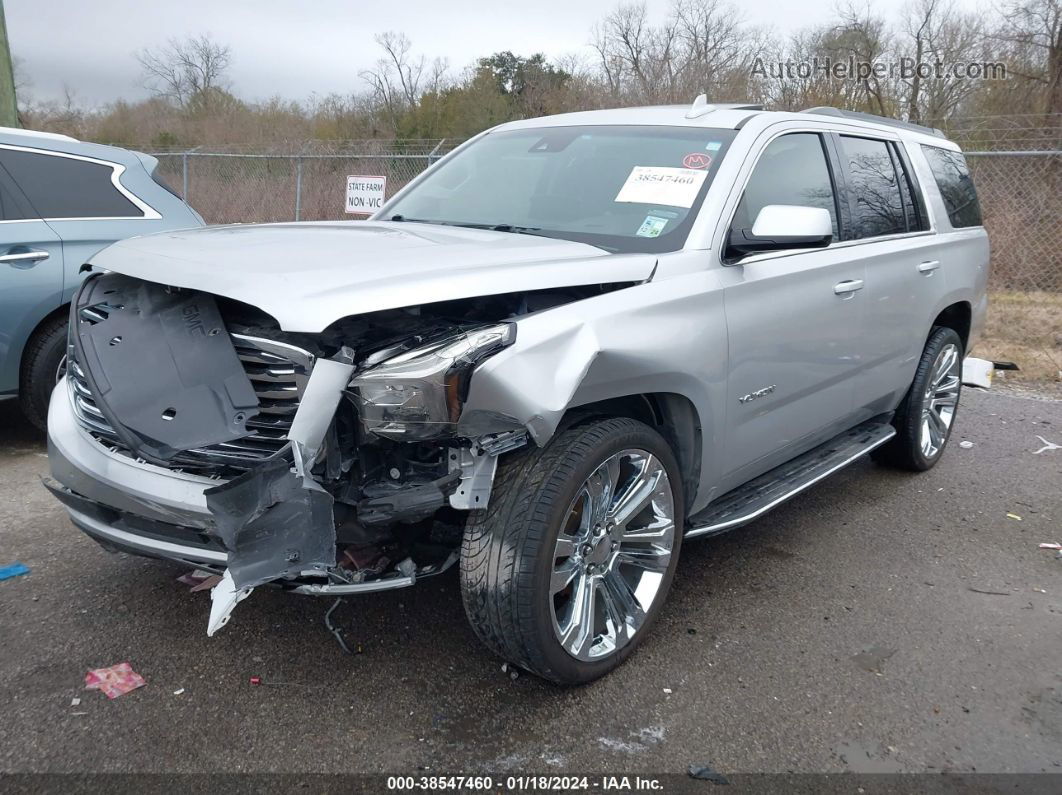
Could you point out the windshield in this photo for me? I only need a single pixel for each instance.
(625, 189)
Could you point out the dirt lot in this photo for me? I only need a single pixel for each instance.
(881, 622)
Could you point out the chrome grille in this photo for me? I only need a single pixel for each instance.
(277, 371)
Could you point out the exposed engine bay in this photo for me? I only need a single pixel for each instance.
(342, 460)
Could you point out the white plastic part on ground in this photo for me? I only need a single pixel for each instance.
(223, 599)
(977, 372)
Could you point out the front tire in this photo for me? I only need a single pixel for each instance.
(43, 364)
(568, 567)
(927, 414)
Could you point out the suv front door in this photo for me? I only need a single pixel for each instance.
(794, 318)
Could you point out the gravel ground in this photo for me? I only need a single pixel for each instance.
(880, 622)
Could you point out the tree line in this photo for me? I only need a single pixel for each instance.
(638, 58)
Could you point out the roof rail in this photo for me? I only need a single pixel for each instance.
(855, 114)
(701, 106)
(35, 134)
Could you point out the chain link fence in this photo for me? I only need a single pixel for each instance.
(260, 187)
(1021, 198)
(1020, 188)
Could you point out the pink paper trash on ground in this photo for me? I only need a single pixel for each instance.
(117, 680)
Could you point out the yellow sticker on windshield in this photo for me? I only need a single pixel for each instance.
(672, 187)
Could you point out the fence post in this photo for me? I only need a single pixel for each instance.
(432, 156)
(298, 187)
(184, 180)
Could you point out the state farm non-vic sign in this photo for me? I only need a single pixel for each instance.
(365, 195)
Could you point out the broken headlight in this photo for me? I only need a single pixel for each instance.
(418, 394)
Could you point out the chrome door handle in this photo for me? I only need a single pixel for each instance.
(848, 286)
(929, 267)
(24, 259)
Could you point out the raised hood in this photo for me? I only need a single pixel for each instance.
(308, 275)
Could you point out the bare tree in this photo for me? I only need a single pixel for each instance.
(186, 71)
(715, 48)
(936, 34)
(1032, 33)
(866, 39)
(396, 81)
(700, 47)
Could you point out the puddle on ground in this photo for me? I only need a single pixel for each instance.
(873, 659)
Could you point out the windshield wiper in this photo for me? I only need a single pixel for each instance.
(512, 228)
(519, 230)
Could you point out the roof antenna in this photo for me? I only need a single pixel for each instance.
(699, 107)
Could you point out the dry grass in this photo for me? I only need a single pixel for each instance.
(1025, 328)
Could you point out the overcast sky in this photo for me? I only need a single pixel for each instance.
(295, 49)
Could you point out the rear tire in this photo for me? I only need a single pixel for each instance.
(42, 361)
(927, 414)
(562, 538)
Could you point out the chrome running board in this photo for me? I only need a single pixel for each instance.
(755, 498)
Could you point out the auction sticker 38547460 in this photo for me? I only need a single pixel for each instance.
(672, 187)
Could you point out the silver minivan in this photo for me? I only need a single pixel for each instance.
(564, 348)
(61, 201)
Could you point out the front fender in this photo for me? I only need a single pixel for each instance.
(658, 337)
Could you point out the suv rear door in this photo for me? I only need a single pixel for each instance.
(31, 277)
(891, 235)
(794, 318)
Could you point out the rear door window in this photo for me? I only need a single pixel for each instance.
(874, 185)
(13, 205)
(63, 187)
(956, 186)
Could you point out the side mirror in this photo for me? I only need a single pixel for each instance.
(780, 227)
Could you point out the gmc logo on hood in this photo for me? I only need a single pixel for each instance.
(192, 322)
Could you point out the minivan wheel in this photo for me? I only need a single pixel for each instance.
(927, 414)
(568, 567)
(43, 365)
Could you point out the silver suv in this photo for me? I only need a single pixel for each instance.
(568, 346)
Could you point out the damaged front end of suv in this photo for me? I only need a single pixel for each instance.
(327, 463)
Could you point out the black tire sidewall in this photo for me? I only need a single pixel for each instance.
(563, 666)
(912, 419)
(45, 352)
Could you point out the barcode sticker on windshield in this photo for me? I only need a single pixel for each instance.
(673, 187)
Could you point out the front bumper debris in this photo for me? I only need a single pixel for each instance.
(271, 525)
(195, 431)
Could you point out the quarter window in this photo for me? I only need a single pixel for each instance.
(62, 187)
(879, 205)
(956, 186)
(792, 170)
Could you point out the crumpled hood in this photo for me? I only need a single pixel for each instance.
(308, 275)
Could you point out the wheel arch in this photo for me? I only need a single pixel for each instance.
(958, 317)
(21, 340)
(672, 415)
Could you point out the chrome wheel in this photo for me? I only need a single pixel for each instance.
(612, 554)
(940, 401)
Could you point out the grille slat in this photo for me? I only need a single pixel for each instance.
(278, 373)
